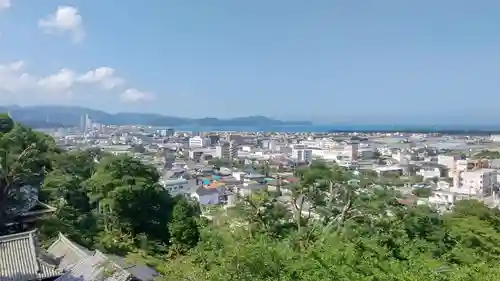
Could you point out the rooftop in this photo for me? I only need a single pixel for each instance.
(22, 260)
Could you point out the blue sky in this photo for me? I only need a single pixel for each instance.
(325, 60)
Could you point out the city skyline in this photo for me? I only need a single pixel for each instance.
(324, 61)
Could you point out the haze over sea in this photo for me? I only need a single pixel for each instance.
(320, 128)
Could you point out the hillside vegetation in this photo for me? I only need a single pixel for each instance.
(346, 230)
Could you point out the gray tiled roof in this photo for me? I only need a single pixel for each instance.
(141, 272)
(201, 191)
(21, 259)
(66, 252)
(95, 268)
(81, 264)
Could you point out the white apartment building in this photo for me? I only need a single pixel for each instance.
(449, 162)
(344, 154)
(233, 149)
(429, 173)
(223, 151)
(478, 182)
(301, 153)
(324, 143)
(198, 142)
(226, 150)
(269, 145)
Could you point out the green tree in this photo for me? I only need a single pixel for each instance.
(114, 171)
(487, 154)
(24, 158)
(144, 208)
(424, 192)
(264, 213)
(184, 232)
(6, 123)
(138, 148)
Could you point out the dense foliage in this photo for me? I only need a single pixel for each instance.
(109, 202)
(331, 225)
(487, 154)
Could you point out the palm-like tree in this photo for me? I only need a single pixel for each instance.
(16, 169)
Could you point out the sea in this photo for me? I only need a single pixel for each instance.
(318, 128)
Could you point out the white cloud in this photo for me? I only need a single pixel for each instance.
(12, 67)
(5, 4)
(66, 19)
(61, 81)
(15, 80)
(134, 95)
(104, 76)
(12, 79)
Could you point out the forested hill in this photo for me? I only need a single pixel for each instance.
(358, 231)
(57, 116)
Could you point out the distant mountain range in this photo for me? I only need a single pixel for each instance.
(65, 116)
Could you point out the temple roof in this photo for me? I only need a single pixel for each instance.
(95, 268)
(22, 260)
(66, 252)
(81, 264)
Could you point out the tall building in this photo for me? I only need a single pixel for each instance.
(354, 150)
(478, 183)
(88, 123)
(82, 123)
(301, 153)
(236, 138)
(223, 151)
(233, 149)
(268, 145)
(214, 139)
(170, 132)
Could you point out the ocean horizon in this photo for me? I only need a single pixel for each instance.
(323, 128)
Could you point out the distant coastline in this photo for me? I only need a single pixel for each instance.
(46, 117)
(70, 116)
(452, 130)
(447, 130)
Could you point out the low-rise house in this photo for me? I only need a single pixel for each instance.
(443, 184)
(254, 177)
(429, 172)
(208, 196)
(179, 186)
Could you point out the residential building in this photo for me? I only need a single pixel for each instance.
(213, 139)
(233, 149)
(301, 153)
(198, 142)
(196, 153)
(178, 186)
(449, 162)
(208, 196)
(429, 172)
(268, 145)
(223, 151)
(479, 182)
